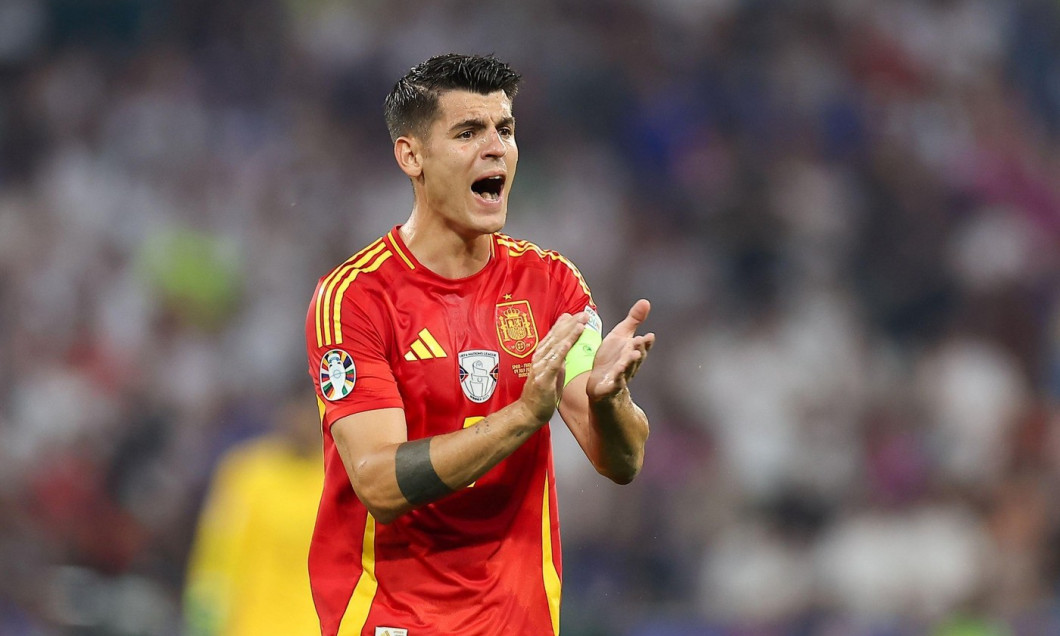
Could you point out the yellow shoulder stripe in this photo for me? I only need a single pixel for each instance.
(518, 248)
(337, 317)
(326, 285)
(329, 294)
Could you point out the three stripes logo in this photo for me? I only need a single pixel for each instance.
(425, 348)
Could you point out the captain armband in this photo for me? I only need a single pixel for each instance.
(580, 357)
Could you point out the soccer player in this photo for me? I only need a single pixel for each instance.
(439, 353)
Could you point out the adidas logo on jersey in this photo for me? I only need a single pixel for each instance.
(425, 348)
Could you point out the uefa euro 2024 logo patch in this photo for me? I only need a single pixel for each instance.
(479, 370)
(337, 374)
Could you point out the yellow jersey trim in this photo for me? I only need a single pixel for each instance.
(321, 408)
(400, 252)
(327, 286)
(553, 585)
(356, 614)
(518, 247)
(342, 290)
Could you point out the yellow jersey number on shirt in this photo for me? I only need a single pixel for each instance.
(469, 422)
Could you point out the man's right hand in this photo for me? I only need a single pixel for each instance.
(389, 486)
(544, 385)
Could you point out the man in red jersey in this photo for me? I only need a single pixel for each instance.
(439, 354)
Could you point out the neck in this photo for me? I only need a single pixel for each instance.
(443, 250)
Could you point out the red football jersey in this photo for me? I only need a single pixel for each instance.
(384, 331)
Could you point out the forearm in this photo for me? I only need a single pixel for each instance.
(618, 430)
(399, 477)
(392, 476)
(461, 457)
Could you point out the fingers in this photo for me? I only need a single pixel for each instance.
(638, 352)
(621, 353)
(548, 363)
(552, 350)
(567, 328)
(544, 385)
(638, 313)
(632, 356)
(640, 310)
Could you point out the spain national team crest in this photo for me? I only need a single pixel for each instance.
(338, 374)
(516, 329)
(479, 370)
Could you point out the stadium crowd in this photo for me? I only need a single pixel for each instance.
(846, 214)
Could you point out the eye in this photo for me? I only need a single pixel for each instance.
(467, 134)
(506, 131)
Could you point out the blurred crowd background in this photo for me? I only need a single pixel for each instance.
(845, 212)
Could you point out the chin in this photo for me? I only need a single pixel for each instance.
(490, 223)
(498, 220)
(497, 225)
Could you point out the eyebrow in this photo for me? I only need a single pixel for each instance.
(477, 123)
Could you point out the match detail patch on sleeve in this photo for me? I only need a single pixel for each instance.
(594, 320)
(338, 374)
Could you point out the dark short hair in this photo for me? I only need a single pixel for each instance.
(413, 103)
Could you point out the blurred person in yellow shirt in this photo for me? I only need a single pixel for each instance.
(247, 572)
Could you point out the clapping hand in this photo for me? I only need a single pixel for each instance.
(620, 355)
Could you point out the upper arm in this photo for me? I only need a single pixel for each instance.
(367, 442)
(349, 362)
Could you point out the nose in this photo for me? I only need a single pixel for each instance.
(493, 145)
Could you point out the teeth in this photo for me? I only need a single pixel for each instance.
(487, 193)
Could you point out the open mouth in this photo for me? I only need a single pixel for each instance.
(489, 188)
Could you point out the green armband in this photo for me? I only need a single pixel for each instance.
(580, 357)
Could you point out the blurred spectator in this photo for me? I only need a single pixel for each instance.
(247, 570)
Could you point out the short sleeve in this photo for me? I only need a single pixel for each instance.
(573, 292)
(347, 357)
(575, 298)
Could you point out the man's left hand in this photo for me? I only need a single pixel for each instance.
(620, 355)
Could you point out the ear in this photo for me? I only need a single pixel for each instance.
(408, 153)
